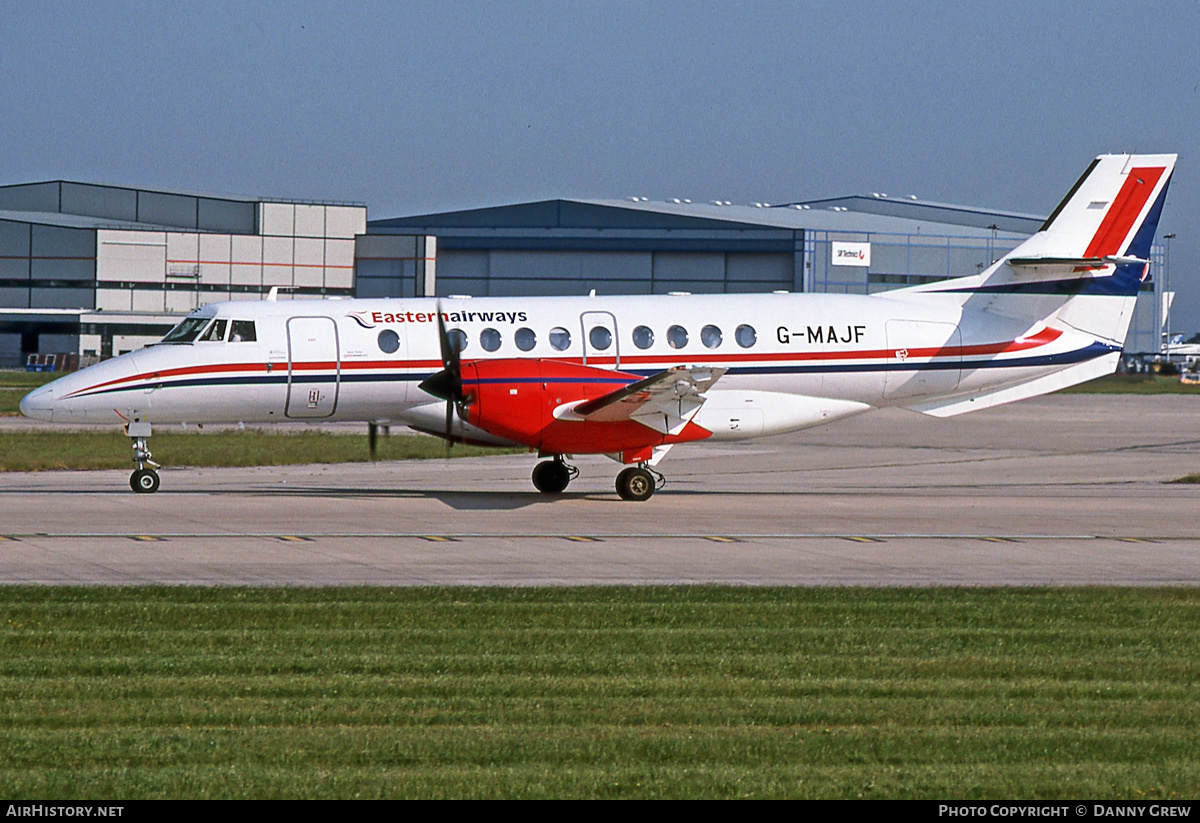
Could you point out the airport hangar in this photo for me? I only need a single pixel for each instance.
(96, 270)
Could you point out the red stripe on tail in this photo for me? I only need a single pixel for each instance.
(1138, 187)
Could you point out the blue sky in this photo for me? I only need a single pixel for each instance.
(414, 107)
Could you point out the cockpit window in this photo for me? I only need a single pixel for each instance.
(187, 330)
(242, 331)
(216, 332)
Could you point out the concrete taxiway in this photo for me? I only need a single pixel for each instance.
(1059, 490)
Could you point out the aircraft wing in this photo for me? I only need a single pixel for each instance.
(664, 402)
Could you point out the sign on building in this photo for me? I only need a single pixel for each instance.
(850, 254)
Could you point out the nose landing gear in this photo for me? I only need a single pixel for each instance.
(143, 480)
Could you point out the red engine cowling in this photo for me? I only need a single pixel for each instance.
(516, 399)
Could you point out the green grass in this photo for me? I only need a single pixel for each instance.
(42, 450)
(124, 693)
(16, 384)
(1133, 384)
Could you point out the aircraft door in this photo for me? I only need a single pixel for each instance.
(924, 358)
(600, 340)
(314, 367)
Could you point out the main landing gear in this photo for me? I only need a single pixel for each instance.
(552, 476)
(637, 483)
(143, 480)
(633, 483)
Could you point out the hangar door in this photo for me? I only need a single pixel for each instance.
(314, 367)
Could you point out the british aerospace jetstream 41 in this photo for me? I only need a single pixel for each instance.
(631, 377)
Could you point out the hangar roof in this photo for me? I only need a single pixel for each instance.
(852, 214)
(88, 205)
(71, 221)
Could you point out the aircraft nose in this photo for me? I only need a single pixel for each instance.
(38, 404)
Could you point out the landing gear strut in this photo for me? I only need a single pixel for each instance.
(552, 476)
(638, 483)
(143, 480)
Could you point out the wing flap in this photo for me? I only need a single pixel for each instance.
(665, 401)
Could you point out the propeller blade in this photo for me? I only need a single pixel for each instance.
(446, 384)
(372, 438)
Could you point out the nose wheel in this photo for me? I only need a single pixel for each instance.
(144, 479)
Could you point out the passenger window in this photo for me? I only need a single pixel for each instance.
(746, 336)
(677, 336)
(389, 341)
(711, 337)
(560, 338)
(525, 339)
(489, 339)
(600, 337)
(216, 332)
(242, 331)
(458, 339)
(643, 337)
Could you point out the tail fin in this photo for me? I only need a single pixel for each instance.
(1109, 216)
(1096, 244)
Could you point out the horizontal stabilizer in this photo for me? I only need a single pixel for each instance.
(1088, 262)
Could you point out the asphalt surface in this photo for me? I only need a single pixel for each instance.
(1060, 490)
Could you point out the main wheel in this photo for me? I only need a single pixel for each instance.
(550, 477)
(144, 481)
(635, 484)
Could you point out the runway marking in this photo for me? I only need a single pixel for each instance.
(439, 538)
(863, 539)
(579, 538)
(148, 538)
(294, 538)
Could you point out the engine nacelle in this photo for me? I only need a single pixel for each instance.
(516, 399)
(738, 415)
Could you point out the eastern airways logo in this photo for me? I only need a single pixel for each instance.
(372, 319)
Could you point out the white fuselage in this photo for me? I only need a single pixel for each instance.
(792, 360)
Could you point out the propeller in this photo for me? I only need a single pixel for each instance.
(372, 439)
(447, 384)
